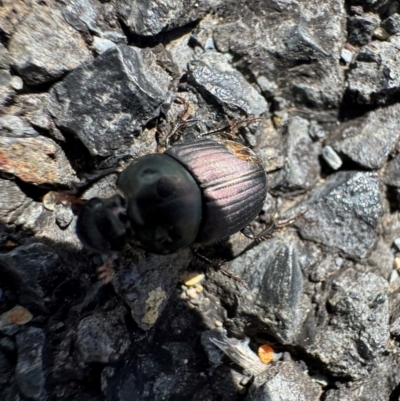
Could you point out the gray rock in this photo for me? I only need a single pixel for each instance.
(361, 28)
(301, 167)
(101, 337)
(5, 58)
(146, 19)
(98, 18)
(285, 43)
(326, 267)
(331, 157)
(15, 126)
(342, 394)
(392, 24)
(275, 296)
(284, 381)
(30, 373)
(214, 77)
(376, 73)
(12, 201)
(391, 174)
(181, 52)
(358, 329)
(36, 160)
(150, 18)
(44, 47)
(6, 88)
(36, 269)
(106, 103)
(370, 139)
(63, 215)
(101, 45)
(146, 283)
(5, 367)
(33, 109)
(343, 213)
(347, 56)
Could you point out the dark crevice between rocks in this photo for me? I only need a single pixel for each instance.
(76, 152)
(3, 37)
(32, 191)
(39, 88)
(395, 395)
(348, 165)
(393, 196)
(351, 109)
(162, 37)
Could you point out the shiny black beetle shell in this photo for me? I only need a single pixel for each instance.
(196, 192)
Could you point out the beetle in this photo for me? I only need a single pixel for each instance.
(197, 192)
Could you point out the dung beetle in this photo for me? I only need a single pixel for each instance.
(196, 192)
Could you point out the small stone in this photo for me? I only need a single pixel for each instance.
(49, 201)
(218, 323)
(101, 45)
(265, 353)
(192, 293)
(17, 315)
(397, 243)
(199, 288)
(361, 28)
(381, 33)
(397, 264)
(331, 157)
(347, 56)
(392, 24)
(191, 279)
(17, 83)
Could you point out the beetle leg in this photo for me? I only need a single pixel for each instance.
(105, 273)
(181, 121)
(274, 226)
(78, 188)
(231, 128)
(218, 266)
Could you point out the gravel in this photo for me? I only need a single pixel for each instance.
(88, 84)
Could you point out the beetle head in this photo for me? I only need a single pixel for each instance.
(102, 225)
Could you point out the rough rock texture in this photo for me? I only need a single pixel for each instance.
(285, 381)
(344, 213)
(312, 87)
(44, 46)
(273, 37)
(214, 77)
(36, 160)
(150, 18)
(359, 328)
(107, 102)
(375, 73)
(369, 140)
(146, 284)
